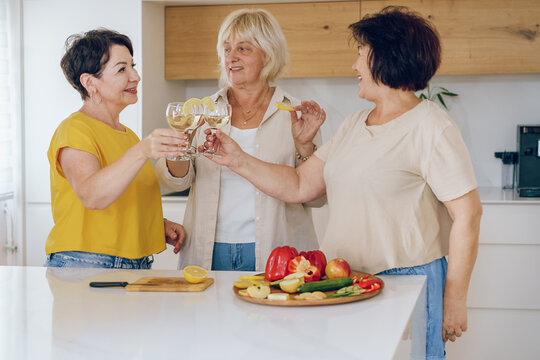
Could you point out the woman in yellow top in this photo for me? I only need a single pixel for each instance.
(105, 196)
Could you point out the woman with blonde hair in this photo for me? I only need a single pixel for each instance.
(231, 225)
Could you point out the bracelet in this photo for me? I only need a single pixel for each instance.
(304, 158)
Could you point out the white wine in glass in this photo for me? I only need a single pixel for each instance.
(183, 123)
(218, 118)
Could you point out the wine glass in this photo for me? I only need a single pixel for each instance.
(216, 119)
(179, 121)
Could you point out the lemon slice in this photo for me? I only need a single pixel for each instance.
(243, 292)
(208, 103)
(284, 106)
(251, 277)
(243, 284)
(195, 274)
(190, 105)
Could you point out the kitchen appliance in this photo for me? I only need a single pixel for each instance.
(528, 164)
(509, 158)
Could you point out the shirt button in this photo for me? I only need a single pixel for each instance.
(257, 218)
(257, 192)
(256, 145)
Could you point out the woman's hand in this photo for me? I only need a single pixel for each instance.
(164, 143)
(305, 128)
(228, 152)
(174, 234)
(454, 318)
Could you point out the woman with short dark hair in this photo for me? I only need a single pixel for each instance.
(105, 196)
(399, 181)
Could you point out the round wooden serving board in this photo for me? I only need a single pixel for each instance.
(293, 302)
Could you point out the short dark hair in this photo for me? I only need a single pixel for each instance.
(88, 53)
(405, 48)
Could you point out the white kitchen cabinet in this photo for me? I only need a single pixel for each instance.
(38, 226)
(6, 233)
(503, 302)
(46, 105)
(174, 208)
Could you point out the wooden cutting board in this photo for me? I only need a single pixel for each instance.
(170, 284)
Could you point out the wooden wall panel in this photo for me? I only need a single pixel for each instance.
(481, 36)
(317, 38)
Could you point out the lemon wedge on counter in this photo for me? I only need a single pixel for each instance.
(284, 106)
(190, 105)
(195, 274)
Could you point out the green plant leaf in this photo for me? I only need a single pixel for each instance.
(442, 101)
(448, 93)
(422, 96)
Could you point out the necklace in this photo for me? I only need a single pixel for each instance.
(246, 114)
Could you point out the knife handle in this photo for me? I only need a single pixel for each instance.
(102, 284)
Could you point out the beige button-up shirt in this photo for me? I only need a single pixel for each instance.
(276, 223)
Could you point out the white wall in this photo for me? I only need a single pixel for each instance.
(487, 110)
(48, 98)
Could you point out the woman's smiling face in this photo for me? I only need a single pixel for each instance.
(243, 61)
(361, 66)
(119, 79)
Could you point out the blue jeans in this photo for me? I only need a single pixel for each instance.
(237, 257)
(81, 259)
(436, 277)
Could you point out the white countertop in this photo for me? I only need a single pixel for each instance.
(488, 195)
(498, 195)
(54, 314)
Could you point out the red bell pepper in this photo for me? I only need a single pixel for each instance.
(278, 262)
(369, 285)
(312, 274)
(316, 258)
(298, 264)
(302, 265)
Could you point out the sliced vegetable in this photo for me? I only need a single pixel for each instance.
(302, 265)
(278, 296)
(258, 291)
(242, 284)
(368, 284)
(298, 264)
(290, 285)
(326, 285)
(316, 258)
(251, 277)
(312, 274)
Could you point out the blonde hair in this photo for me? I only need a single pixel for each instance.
(261, 29)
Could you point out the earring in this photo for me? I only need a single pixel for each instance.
(92, 98)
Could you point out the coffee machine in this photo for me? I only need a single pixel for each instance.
(528, 162)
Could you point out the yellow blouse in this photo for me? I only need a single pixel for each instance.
(132, 226)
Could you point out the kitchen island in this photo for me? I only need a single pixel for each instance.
(54, 314)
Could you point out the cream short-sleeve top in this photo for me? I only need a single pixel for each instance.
(386, 186)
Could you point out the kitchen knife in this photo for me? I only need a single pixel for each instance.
(102, 284)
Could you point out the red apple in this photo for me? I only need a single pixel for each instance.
(337, 268)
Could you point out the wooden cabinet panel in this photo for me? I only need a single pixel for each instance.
(317, 37)
(481, 36)
(478, 36)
